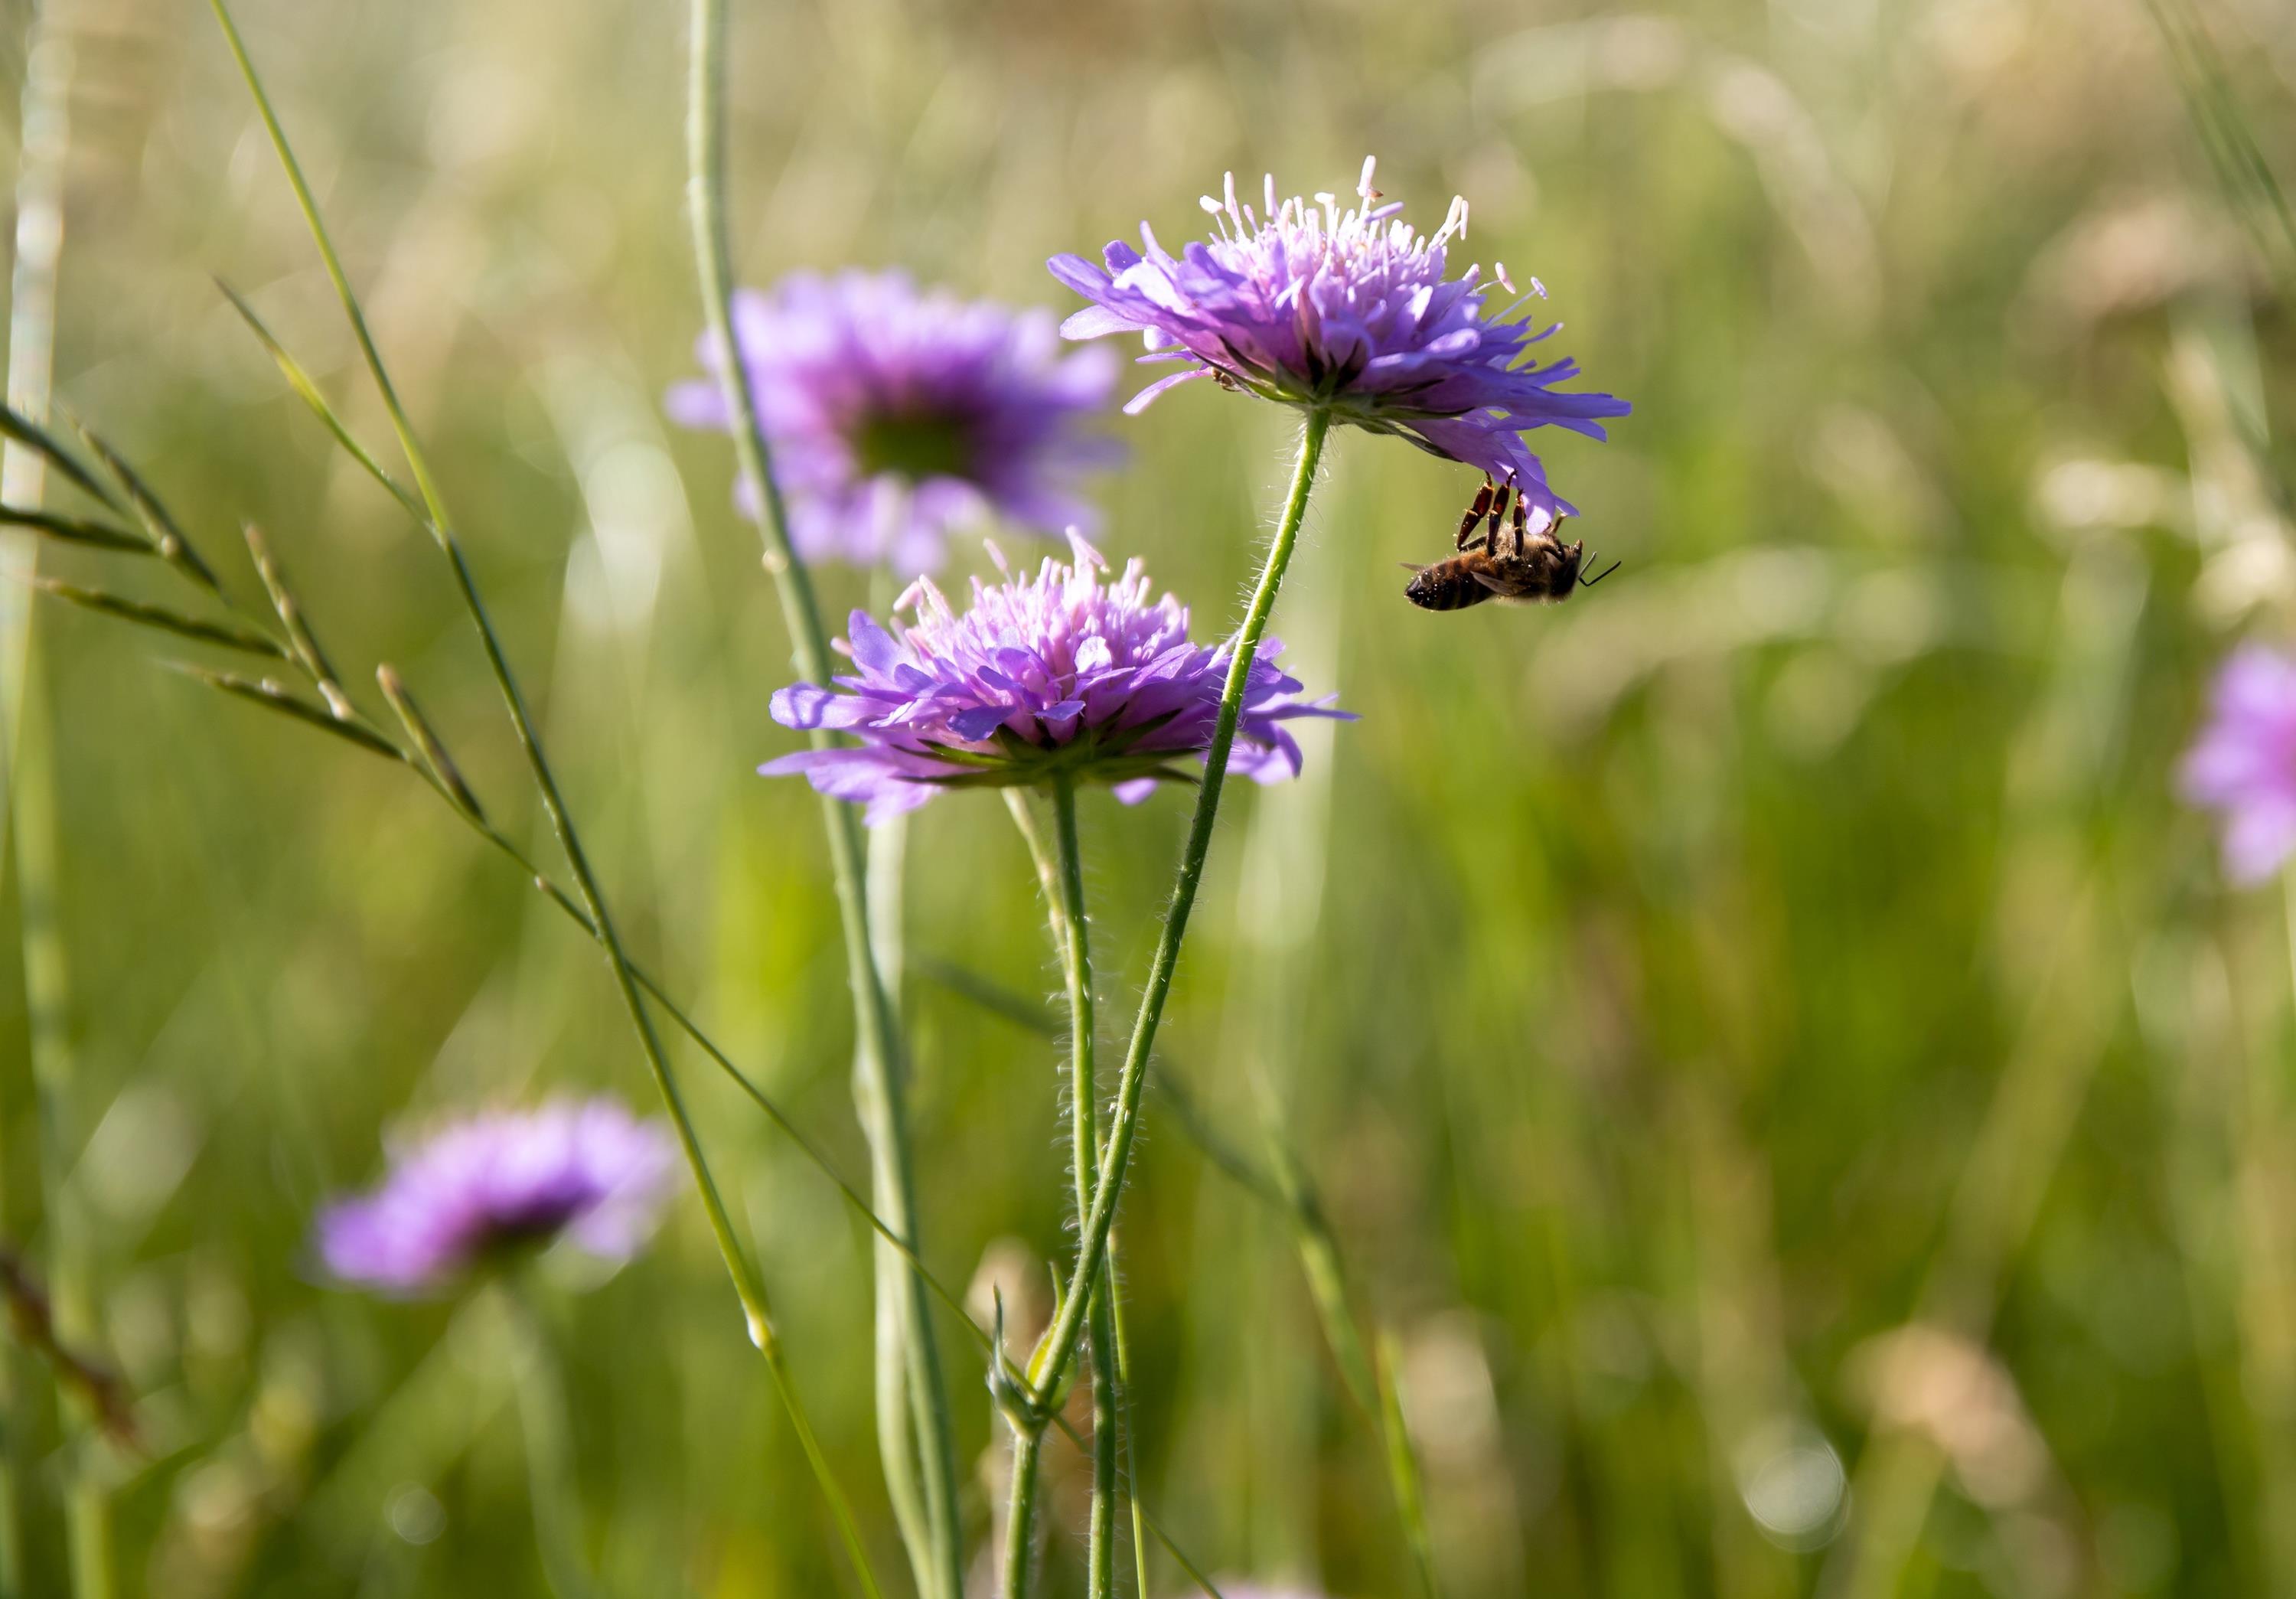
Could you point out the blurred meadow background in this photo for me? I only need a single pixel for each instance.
(1772, 1069)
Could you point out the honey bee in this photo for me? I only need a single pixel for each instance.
(1495, 564)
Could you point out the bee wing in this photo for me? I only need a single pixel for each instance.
(1504, 590)
(1411, 566)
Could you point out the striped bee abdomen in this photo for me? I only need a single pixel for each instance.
(1446, 586)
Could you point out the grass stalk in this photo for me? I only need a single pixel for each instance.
(28, 779)
(55, 1073)
(880, 1068)
(749, 1286)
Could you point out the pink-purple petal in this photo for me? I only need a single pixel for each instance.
(1085, 666)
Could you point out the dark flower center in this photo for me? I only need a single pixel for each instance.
(915, 445)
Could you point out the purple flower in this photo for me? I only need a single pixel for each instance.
(1349, 311)
(2243, 764)
(896, 415)
(493, 1185)
(1058, 673)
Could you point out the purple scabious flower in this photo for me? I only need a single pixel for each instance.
(2243, 764)
(1056, 675)
(896, 415)
(1348, 311)
(491, 1185)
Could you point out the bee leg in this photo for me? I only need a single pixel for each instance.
(1522, 533)
(1587, 582)
(1475, 511)
(1498, 512)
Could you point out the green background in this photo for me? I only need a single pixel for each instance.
(1674, 997)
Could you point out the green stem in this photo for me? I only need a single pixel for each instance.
(1084, 1097)
(1060, 869)
(879, 1065)
(1092, 1247)
(28, 773)
(55, 1071)
(1131, 1443)
(26, 765)
(1020, 1514)
(1403, 1467)
(542, 1418)
(748, 1285)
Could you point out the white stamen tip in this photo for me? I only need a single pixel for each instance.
(1499, 271)
(1364, 190)
(1085, 556)
(1211, 208)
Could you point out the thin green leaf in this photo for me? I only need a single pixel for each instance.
(991, 996)
(1195, 1573)
(226, 635)
(1403, 1467)
(79, 530)
(28, 433)
(273, 695)
(318, 227)
(301, 382)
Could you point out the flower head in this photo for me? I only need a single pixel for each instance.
(493, 1185)
(2243, 763)
(1352, 311)
(896, 415)
(1061, 673)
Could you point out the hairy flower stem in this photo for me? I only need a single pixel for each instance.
(1092, 1247)
(1020, 1514)
(1061, 870)
(749, 1286)
(928, 1473)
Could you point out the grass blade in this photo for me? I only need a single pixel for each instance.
(1403, 1467)
(301, 382)
(272, 696)
(224, 634)
(76, 530)
(33, 436)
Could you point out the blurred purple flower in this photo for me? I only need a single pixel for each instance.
(1056, 674)
(1311, 306)
(483, 1188)
(896, 415)
(2243, 763)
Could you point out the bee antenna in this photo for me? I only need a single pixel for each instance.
(1585, 582)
